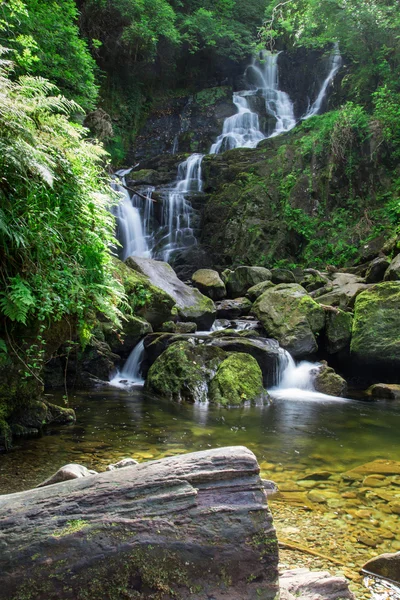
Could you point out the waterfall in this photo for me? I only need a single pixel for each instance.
(177, 214)
(292, 376)
(131, 372)
(335, 62)
(129, 221)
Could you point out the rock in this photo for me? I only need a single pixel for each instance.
(66, 473)
(243, 278)
(122, 464)
(385, 565)
(233, 309)
(345, 289)
(328, 382)
(393, 271)
(133, 330)
(270, 487)
(375, 339)
(192, 524)
(182, 328)
(338, 331)
(302, 584)
(282, 276)
(313, 280)
(292, 317)
(376, 269)
(209, 283)
(255, 292)
(221, 324)
(97, 363)
(191, 304)
(167, 327)
(184, 370)
(40, 413)
(238, 380)
(384, 391)
(376, 467)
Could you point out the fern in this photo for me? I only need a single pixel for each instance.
(17, 301)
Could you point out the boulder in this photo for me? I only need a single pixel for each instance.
(385, 565)
(313, 280)
(97, 363)
(326, 381)
(191, 304)
(32, 418)
(238, 380)
(302, 584)
(292, 317)
(123, 464)
(66, 473)
(233, 309)
(196, 526)
(377, 269)
(133, 330)
(255, 292)
(375, 336)
(243, 278)
(393, 271)
(184, 370)
(183, 328)
(345, 289)
(384, 391)
(338, 330)
(282, 276)
(209, 283)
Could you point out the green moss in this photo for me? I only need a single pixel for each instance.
(211, 96)
(238, 380)
(71, 527)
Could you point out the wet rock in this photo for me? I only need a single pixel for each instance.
(233, 309)
(183, 328)
(306, 585)
(165, 528)
(345, 289)
(393, 271)
(282, 276)
(40, 413)
(328, 382)
(238, 380)
(385, 565)
(384, 391)
(318, 476)
(255, 292)
(96, 364)
(376, 467)
(338, 331)
(66, 473)
(122, 464)
(313, 280)
(209, 283)
(243, 278)
(292, 317)
(191, 304)
(375, 481)
(377, 269)
(133, 330)
(270, 487)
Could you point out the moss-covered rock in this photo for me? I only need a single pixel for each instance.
(183, 371)
(282, 276)
(393, 271)
(292, 317)
(384, 391)
(328, 382)
(377, 269)
(314, 280)
(255, 292)
(375, 336)
(133, 330)
(233, 309)
(209, 283)
(338, 331)
(237, 380)
(243, 278)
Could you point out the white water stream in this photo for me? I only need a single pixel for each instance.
(131, 372)
(335, 62)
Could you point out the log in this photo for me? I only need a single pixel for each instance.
(193, 526)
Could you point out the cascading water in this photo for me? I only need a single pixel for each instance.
(177, 214)
(292, 376)
(335, 62)
(131, 372)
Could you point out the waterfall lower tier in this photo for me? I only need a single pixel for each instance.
(131, 372)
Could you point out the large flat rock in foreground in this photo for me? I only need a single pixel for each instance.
(192, 526)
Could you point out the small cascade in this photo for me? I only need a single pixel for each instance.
(131, 372)
(131, 232)
(177, 214)
(335, 62)
(292, 376)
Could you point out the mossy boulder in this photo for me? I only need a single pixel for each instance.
(209, 283)
(393, 271)
(327, 381)
(314, 280)
(233, 309)
(133, 330)
(292, 317)
(377, 269)
(255, 292)
(384, 391)
(338, 331)
(243, 278)
(282, 276)
(184, 370)
(237, 380)
(376, 326)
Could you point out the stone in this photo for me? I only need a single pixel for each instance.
(393, 271)
(190, 303)
(386, 566)
(243, 278)
(292, 317)
(326, 381)
(133, 330)
(238, 380)
(66, 473)
(96, 364)
(384, 391)
(338, 331)
(375, 337)
(122, 464)
(313, 280)
(255, 292)
(282, 276)
(191, 525)
(168, 327)
(345, 289)
(184, 370)
(183, 328)
(302, 584)
(376, 467)
(40, 413)
(377, 269)
(209, 283)
(233, 309)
